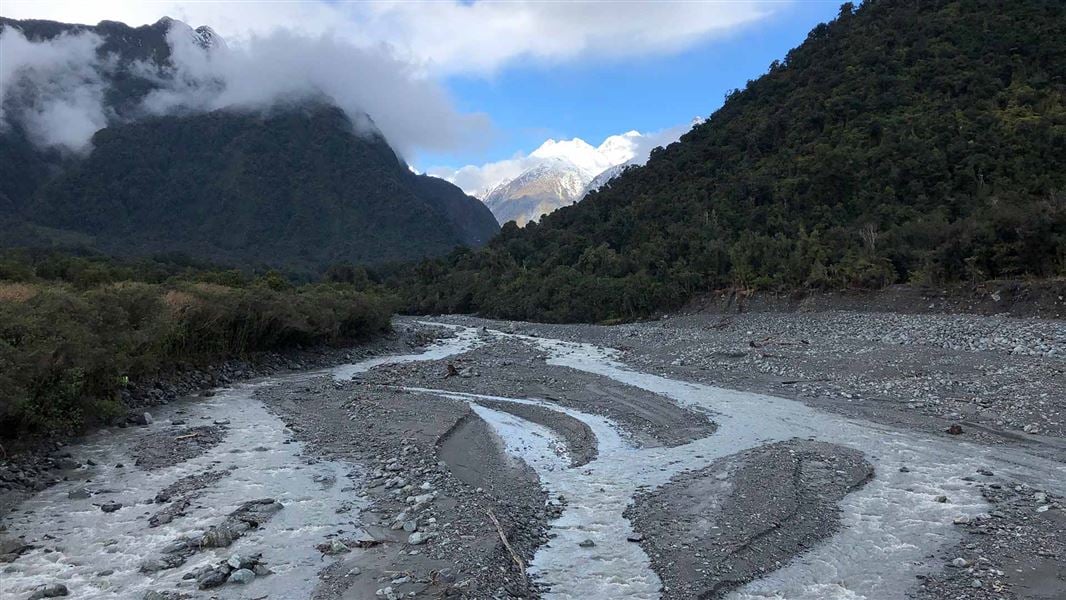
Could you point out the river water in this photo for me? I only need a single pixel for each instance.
(889, 526)
(99, 555)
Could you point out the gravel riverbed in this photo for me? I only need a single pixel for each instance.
(516, 460)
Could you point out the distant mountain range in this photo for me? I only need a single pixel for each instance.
(297, 186)
(563, 172)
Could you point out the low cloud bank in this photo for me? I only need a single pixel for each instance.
(56, 88)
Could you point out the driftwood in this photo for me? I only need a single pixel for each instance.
(503, 538)
(795, 381)
(187, 436)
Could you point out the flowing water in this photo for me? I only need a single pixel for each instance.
(99, 555)
(889, 526)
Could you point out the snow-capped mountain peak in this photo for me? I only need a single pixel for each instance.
(620, 149)
(577, 151)
(559, 175)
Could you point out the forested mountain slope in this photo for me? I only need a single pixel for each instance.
(902, 142)
(297, 189)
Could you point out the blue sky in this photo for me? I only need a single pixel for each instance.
(594, 99)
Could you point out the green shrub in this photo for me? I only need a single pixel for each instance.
(68, 346)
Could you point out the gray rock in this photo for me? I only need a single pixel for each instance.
(410, 526)
(420, 537)
(242, 576)
(53, 590)
(79, 494)
(175, 546)
(110, 507)
(211, 579)
(140, 419)
(587, 544)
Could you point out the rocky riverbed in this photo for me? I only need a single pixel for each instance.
(799, 455)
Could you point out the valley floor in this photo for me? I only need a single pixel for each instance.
(760, 455)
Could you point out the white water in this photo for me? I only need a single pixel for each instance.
(76, 540)
(889, 526)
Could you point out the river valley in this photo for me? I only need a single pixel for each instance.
(800, 456)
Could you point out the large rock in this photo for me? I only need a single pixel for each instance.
(53, 590)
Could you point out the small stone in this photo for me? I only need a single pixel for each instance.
(942, 499)
(242, 576)
(976, 583)
(110, 507)
(904, 469)
(175, 546)
(140, 419)
(234, 561)
(587, 544)
(79, 494)
(410, 526)
(420, 537)
(211, 579)
(960, 563)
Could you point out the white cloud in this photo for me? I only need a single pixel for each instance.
(411, 111)
(63, 78)
(631, 147)
(59, 85)
(443, 37)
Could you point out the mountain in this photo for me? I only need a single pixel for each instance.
(904, 141)
(539, 190)
(559, 176)
(296, 186)
(601, 180)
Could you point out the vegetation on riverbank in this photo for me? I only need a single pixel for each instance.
(75, 330)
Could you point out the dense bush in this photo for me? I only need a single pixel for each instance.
(69, 342)
(903, 142)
